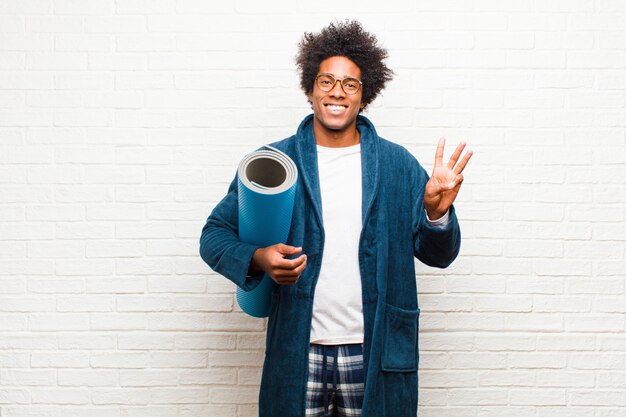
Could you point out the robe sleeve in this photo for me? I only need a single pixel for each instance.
(220, 246)
(435, 246)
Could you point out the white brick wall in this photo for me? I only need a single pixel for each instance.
(121, 124)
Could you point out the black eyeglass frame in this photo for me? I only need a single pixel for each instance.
(340, 83)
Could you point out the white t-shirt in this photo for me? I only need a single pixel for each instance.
(337, 304)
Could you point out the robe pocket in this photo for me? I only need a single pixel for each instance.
(400, 350)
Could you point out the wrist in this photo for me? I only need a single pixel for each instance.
(434, 214)
(254, 268)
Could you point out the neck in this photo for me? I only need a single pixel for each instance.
(336, 138)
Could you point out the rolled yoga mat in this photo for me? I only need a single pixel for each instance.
(267, 189)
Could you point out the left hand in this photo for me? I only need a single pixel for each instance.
(445, 181)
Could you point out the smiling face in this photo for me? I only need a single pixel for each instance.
(335, 111)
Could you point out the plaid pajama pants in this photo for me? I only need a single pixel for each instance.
(335, 383)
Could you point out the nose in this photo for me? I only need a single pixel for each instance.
(337, 90)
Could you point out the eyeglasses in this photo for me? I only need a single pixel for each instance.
(326, 82)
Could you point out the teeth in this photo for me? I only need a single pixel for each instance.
(335, 107)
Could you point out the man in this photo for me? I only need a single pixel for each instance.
(343, 326)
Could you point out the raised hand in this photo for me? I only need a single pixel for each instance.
(445, 181)
(272, 260)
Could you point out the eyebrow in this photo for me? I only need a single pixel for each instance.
(334, 76)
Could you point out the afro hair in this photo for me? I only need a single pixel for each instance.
(346, 39)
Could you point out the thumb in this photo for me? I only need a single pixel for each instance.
(287, 250)
(456, 182)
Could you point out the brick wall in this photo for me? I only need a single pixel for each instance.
(121, 125)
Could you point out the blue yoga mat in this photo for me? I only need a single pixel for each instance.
(267, 189)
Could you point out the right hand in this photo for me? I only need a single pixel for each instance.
(272, 260)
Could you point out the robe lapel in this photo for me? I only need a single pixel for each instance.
(369, 164)
(306, 149)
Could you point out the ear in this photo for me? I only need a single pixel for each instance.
(309, 96)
